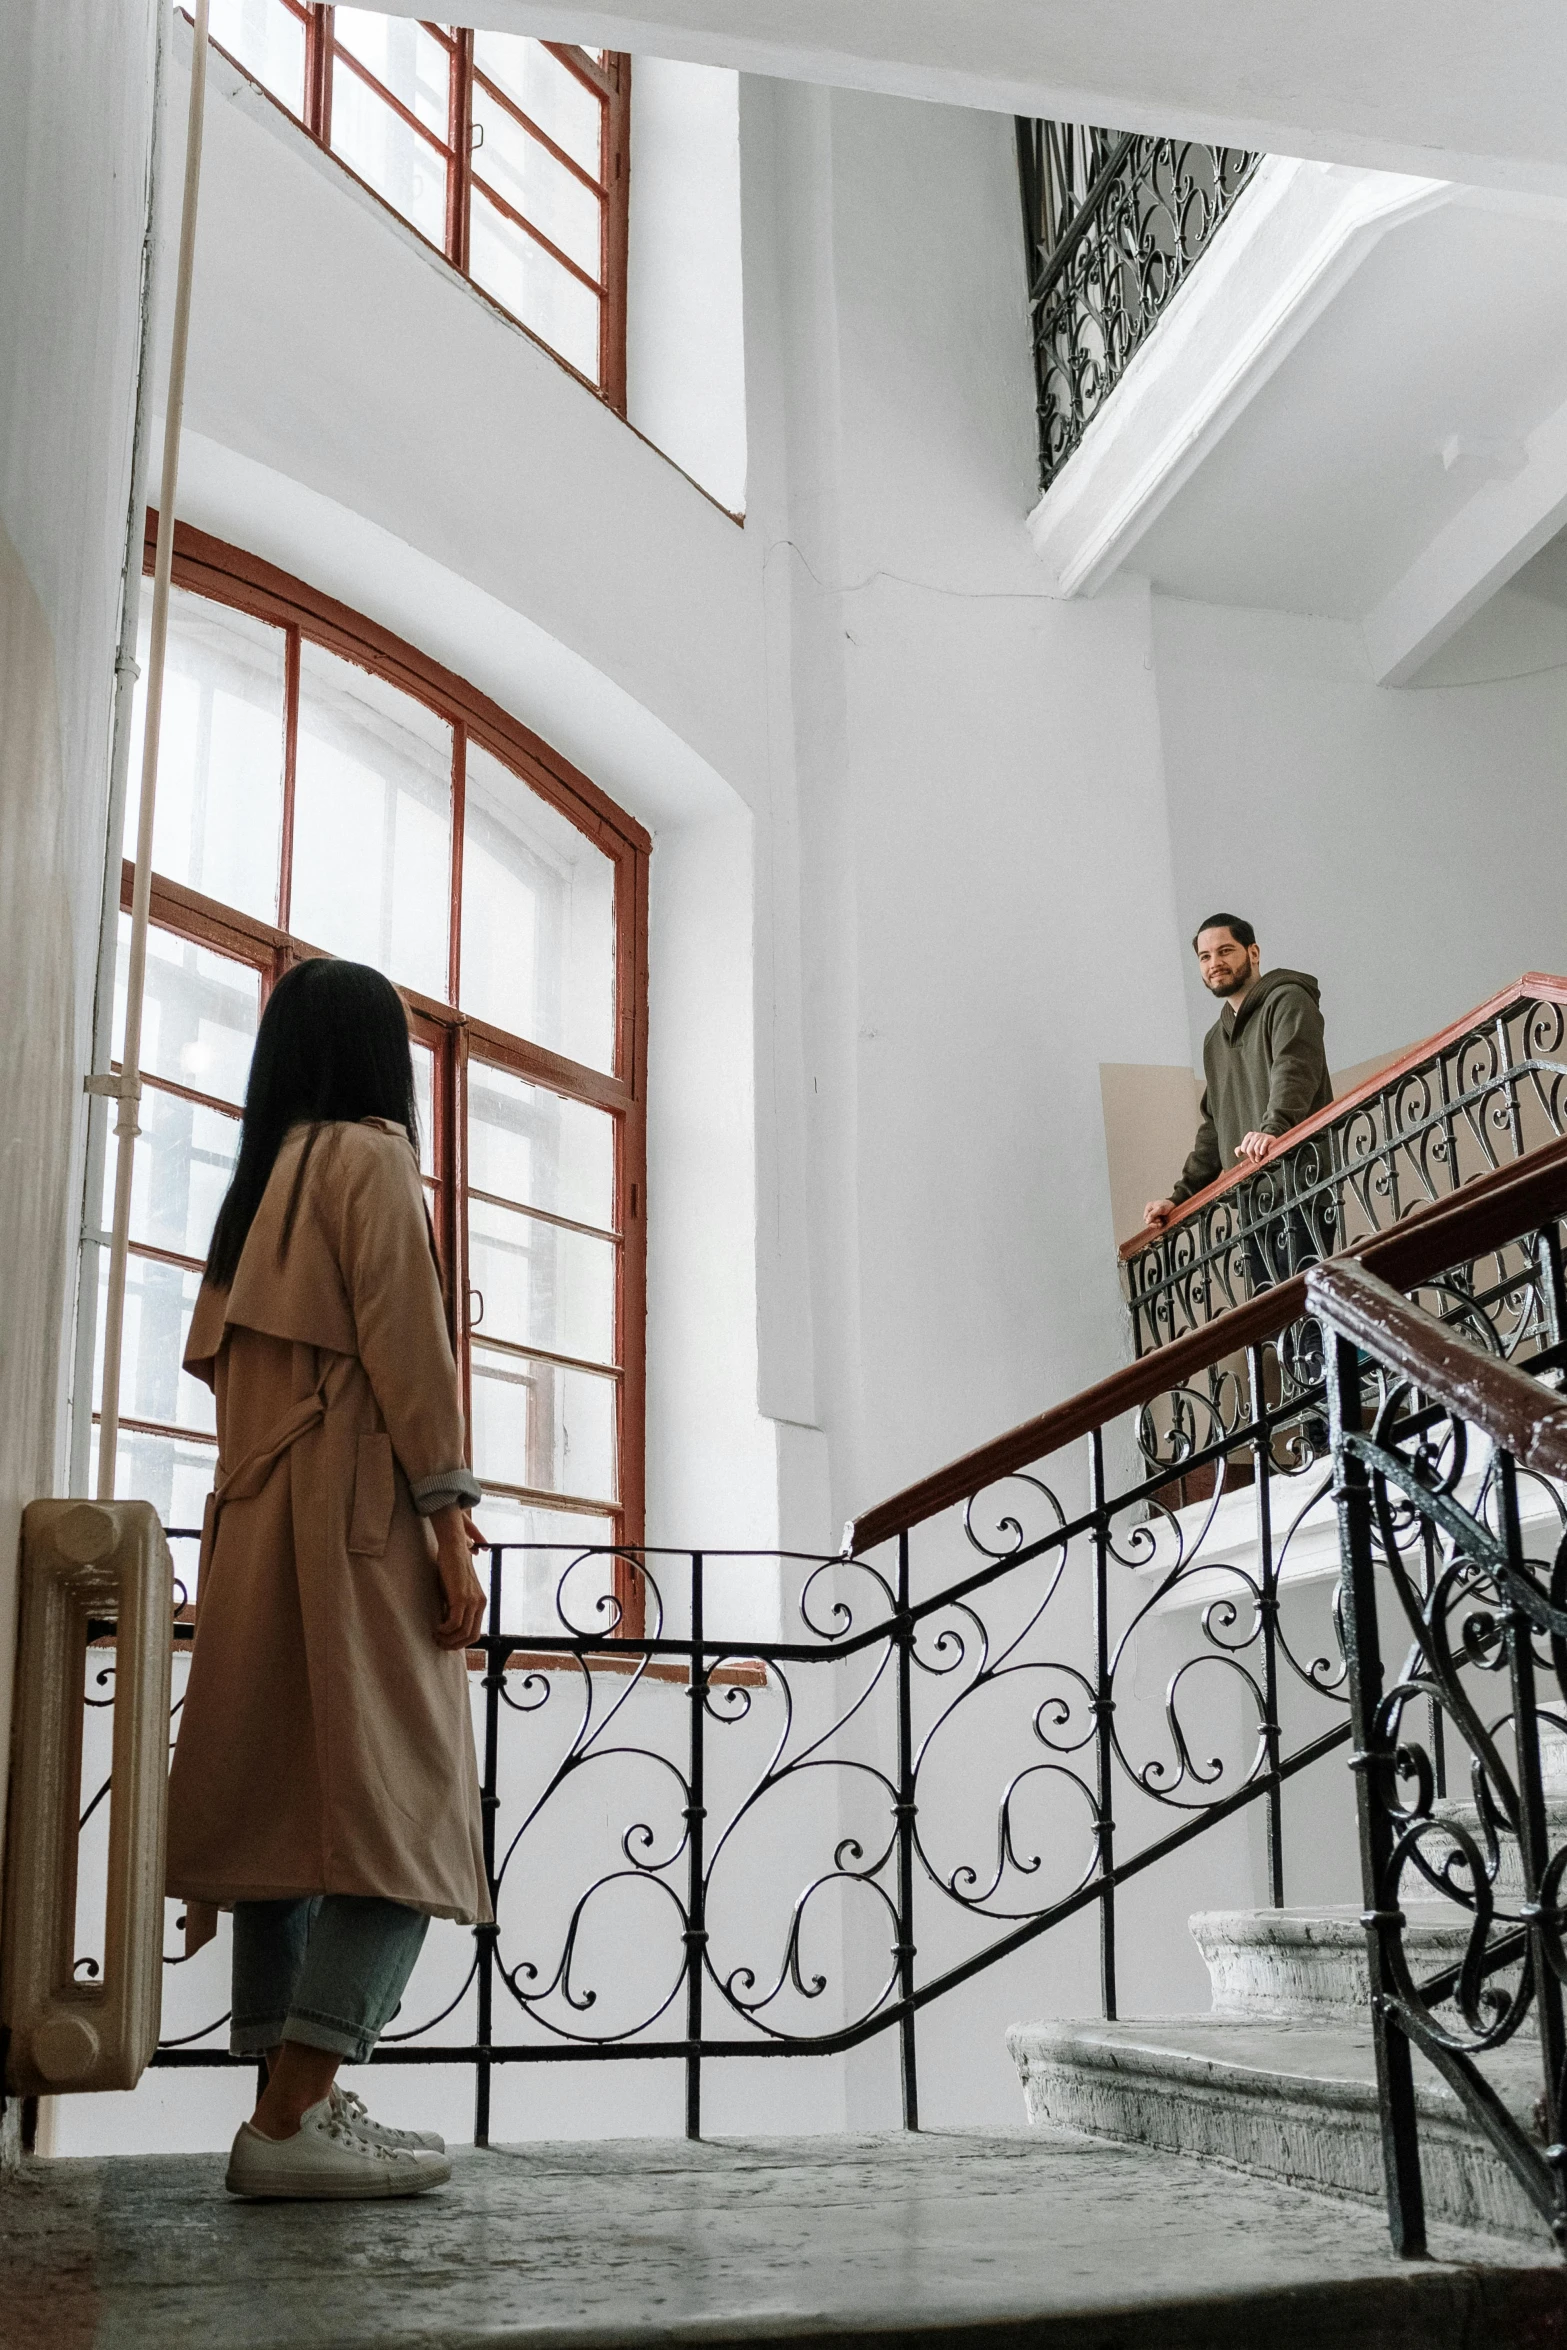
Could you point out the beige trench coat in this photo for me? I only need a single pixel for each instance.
(325, 1743)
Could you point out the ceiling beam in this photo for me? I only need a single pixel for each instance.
(1491, 537)
(1439, 88)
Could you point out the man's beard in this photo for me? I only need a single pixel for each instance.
(1229, 987)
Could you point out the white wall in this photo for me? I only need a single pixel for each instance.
(1390, 840)
(976, 767)
(75, 127)
(685, 330)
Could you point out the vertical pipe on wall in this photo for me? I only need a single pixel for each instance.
(125, 676)
(128, 1089)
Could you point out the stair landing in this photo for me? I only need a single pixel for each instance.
(1038, 2237)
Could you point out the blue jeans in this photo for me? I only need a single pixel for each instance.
(328, 1970)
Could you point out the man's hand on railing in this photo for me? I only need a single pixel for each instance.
(1158, 1211)
(1255, 1147)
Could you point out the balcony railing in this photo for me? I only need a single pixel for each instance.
(1478, 1095)
(1114, 223)
(1024, 1682)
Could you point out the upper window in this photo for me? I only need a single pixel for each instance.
(509, 155)
(324, 788)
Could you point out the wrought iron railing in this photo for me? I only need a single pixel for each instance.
(1482, 1093)
(1440, 1448)
(1024, 1682)
(1113, 224)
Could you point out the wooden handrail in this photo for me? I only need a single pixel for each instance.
(1533, 987)
(1515, 1411)
(1485, 1215)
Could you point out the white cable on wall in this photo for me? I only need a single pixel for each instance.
(127, 1088)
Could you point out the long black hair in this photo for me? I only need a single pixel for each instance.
(332, 1045)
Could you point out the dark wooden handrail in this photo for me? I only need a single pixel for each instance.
(1485, 1215)
(1515, 1411)
(1533, 987)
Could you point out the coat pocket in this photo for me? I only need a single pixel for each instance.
(374, 1493)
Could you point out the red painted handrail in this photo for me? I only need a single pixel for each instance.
(1533, 987)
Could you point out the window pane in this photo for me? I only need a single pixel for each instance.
(386, 152)
(159, 1300)
(184, 1158)
(537, 1425)
(372, 823)
(220, 760)
(533, 1146)
(424, 1102)
(199, 1014)
(540, 1285)
(525, 280)
(547, 1592)
(175, 1475)
(547, 91)
(529, 178)
(268, 40)
(538, 937)
(404, 58)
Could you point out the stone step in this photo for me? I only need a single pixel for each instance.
(1509, 1877)
(1309, 1965)
(1291, 2101)
(946, 2240)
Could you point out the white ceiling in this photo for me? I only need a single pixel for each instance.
(1332, 481)
(1545, 575)
(1462, 89)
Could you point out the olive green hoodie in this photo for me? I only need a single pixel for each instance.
(1266, 1070)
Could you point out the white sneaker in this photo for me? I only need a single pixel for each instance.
(327, 2160)
(353, 2110)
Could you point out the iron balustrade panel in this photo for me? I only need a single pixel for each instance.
(817, 1795)
(1482, 1098)
(1113, 224)
(1455, 1564)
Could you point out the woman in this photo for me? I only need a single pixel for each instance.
(324, 1782)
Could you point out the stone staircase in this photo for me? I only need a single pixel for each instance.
(1279, 2079)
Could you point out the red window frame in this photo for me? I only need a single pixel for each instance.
(229, 575)
(607, 74)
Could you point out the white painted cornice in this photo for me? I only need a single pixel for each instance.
(1296, 236)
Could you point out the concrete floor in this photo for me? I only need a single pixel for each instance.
(1040, 2238)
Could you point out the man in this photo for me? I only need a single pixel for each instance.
(1263, 1059)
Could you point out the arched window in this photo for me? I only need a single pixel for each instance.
(324, 787)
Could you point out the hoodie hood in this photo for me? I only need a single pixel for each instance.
(1260, 990)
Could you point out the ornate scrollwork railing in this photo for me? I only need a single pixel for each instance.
(814, 1796)
(1450, 1475)
(1113, 224)
(1472, 1099)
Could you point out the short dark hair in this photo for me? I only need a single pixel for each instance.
(1241, 931)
